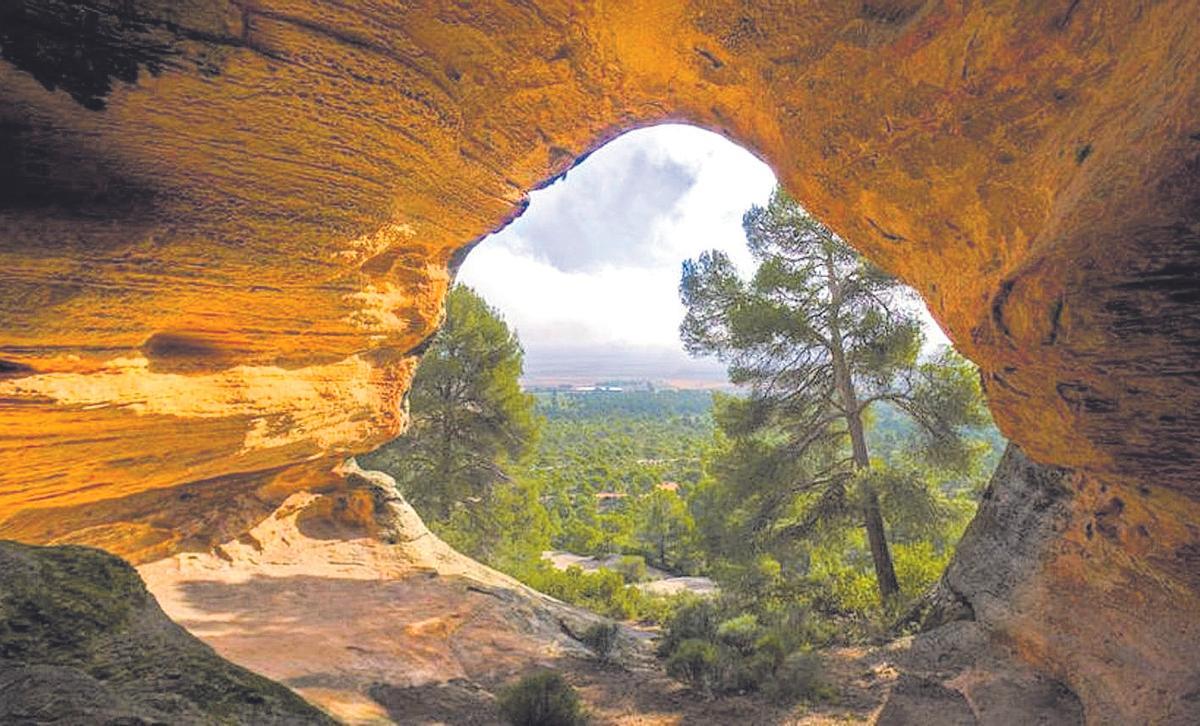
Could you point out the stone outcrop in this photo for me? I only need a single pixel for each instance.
(1032, 572)
(226, 228)
(82, 642)
(1035, 569)
(347, 598)
(957, 674)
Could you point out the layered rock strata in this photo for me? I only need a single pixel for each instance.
(226, 228)
(347, 598)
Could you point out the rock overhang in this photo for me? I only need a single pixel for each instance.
(226, 236)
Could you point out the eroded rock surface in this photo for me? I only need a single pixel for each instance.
(226, 229)
(1035, 570)
(958, 675)
(347, 598)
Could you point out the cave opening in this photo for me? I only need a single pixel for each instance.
(627, 497)
(236, 245)
(596, 256)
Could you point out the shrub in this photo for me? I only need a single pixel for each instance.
(793, 629)
(661, 608)
(919, 565)
(718, 647)
(695, 662)
(801, 677)
(695, 620)
(741, 673)
(542, 699)
(739, 632)
(631, 567)
(602, 639)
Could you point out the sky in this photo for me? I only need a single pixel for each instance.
(589, 274)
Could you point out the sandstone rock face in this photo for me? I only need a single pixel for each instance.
(227, 227)
(1035, 570)
(348, 599)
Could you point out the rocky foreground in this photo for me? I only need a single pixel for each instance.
(346, 598)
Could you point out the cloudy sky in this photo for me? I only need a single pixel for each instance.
(589, 275)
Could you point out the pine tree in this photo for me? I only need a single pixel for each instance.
(469, 416)
(664, 525)
(819, 336)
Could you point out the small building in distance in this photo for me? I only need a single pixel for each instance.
(606, 501)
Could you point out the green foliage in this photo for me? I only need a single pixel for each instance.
(624, 406)
(631, 567)
(603, 591)
(663, 522)
(469, 415)
(740, 632)
(601, 638)
(549, 500)
(721, 647)
(507, 526)
(580, 536)
(846, 584)
(800, 677)
(694, 662)
(542, 699)
(822, 339)
(602, 457)
(693, 620)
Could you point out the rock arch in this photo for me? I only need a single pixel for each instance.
(227, 228)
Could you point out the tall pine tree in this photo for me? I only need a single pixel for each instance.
(819, 336)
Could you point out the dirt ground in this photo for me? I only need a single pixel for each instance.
(644, 696)
(637, 697)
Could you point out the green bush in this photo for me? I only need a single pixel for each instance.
(718, 647)
(695, 662)
(631, 567)
(741, 673)
(601, 638)
(801, 677)
(542, 699)
(739, 633)
(661, 608)
(694, 620)
(603, 592)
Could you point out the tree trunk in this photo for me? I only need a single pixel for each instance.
(881, 556)
(885, 573)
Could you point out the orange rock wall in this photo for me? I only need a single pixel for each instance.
(226, 226)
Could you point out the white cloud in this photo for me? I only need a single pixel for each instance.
(606, 306)
(594, 263)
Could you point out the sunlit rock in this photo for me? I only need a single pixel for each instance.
(226, 230)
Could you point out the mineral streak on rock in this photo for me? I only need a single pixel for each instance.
(226, 226)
